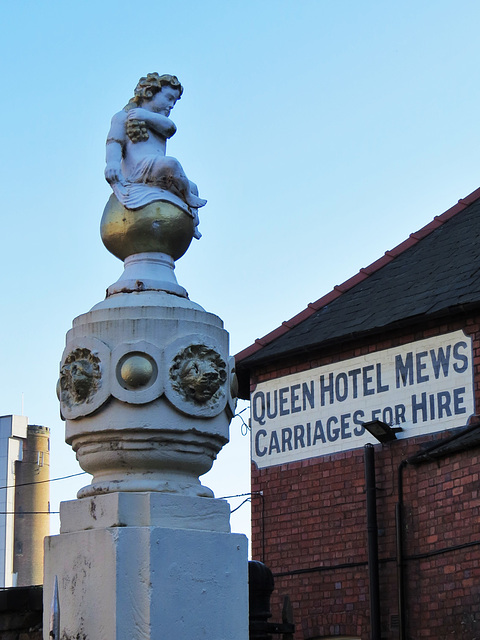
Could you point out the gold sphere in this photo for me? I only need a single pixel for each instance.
(158, 227)
(136, 371)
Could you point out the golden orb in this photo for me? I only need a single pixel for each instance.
(136, 371)
(158, 227)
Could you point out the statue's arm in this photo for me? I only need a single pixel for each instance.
(114, 151)
(156, 121)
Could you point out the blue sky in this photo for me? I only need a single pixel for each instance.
(321, 132)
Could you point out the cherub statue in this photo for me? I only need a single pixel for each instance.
(137, 168)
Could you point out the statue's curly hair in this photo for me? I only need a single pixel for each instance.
(148, 86)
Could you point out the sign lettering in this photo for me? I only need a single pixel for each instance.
(423, 387)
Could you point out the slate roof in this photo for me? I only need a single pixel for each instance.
(432, 273)
(465, 439)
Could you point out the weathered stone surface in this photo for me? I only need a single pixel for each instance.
(139, 583)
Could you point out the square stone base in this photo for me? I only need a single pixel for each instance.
(147, 583)
(166, 510)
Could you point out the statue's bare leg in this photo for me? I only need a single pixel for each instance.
(168, 174)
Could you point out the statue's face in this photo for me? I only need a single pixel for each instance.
(164, 101)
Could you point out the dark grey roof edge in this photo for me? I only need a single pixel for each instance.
(260, 351)
(257, 359)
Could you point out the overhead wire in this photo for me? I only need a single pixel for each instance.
(26, 484)
(27, 513)
(245, 427)
(240, 505)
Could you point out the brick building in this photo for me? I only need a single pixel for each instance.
(398, 344)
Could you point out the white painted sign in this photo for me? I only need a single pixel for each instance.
(423, 387)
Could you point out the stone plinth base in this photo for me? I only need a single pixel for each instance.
(176, 576)
(148, 509)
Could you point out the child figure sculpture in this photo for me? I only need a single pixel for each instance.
(137, 168)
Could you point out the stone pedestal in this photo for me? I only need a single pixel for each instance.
(147, 566)
(147, 390)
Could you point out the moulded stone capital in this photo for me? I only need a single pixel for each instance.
(159, 398)
(83, 385)
(146, 460)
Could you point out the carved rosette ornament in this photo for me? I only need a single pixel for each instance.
(197, 378)
(81, 386)
(198, 374)
(194, 377)
(137, 372)
(79, 377)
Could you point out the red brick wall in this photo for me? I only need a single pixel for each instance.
(309, 526)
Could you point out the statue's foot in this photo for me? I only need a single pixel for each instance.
(194, 201)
